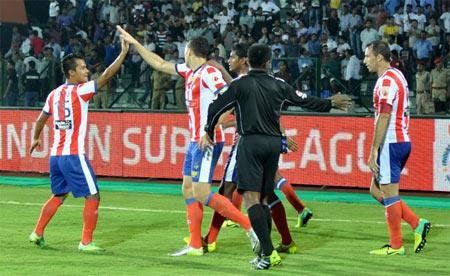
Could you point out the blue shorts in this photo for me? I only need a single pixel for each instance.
(200, 164)
(391, 160)
(72, 173)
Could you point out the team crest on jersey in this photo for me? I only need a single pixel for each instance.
(301, 94)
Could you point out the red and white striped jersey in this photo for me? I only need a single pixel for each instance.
(392, 88)
(201, 88)
(68, 105)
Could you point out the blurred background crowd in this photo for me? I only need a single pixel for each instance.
(318, 46)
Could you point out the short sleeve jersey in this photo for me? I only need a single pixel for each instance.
(201, 88)
(392, 89)
(68, 105)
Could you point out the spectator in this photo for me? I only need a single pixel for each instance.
(100, 98)
(352, 73)
(11, 91)
(445, 19)
(53, 10)
(368, 35)
(433, 32)
(423, 47)
(31, 82)
(314, 45)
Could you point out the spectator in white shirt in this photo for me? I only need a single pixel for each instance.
(53, 10)
(433, 32)
(352, 73)
(445, 19)
(253, 5)
(421, 18)
(368, 35)
(393, 46)
(269, 8)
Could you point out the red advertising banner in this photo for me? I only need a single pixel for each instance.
(333, 151)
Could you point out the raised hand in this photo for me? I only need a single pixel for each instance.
(126, 36)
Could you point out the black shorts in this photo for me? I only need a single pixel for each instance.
(257, 159)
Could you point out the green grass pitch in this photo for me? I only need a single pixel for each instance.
(138, 230)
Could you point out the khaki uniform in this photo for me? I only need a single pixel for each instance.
(439, 83)
(101, 98)
(161, 83)
(424, 103)
(179, 93)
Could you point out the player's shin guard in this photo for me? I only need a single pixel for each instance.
(48, 211)
(393, 218)
(194, 221)
(259, 223)
(279, 217)
(290, 194)
(90, 216)
(214, 229)
(224, 207)
(237, 199)
(409, 216)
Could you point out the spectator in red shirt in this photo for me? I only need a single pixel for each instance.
(37, 43)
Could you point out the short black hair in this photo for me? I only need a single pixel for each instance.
(380, 48)
(240, 49)
(200, 46)
(69, 62)
(258, 54)
(32, 64)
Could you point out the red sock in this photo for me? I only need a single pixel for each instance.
(48, 211)
(214, 228)
(194, 220)
(90, 216)
(237, 200)
(393, 218)
(224, 207)
(409, 216)
(279, 217)
(292, 197)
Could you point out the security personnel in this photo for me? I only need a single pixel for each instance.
(439, 82)
(32, 84)
(257, 98)
(423, 82)
(161, 83)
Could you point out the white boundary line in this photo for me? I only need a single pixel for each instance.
(183, 212)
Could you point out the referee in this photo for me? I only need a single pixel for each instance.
(257, 98)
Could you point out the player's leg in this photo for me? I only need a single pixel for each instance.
(304, 214)
(376, 192)
(60, 192)
(201, 185)
(194, 209)
(279, 218)
(82, 182)
(226, 189)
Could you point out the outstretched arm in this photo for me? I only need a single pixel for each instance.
(114, 67)
(151, 58)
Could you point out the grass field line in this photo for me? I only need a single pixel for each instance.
(183, 212)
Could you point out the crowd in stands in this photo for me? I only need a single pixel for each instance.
(303, 34)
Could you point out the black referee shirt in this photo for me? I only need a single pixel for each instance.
(31, 80)
(257, 98)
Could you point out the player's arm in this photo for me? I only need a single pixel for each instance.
(114, 67)
(224, 122)
(315, 103)
(151, 58)
(290, 143)
(224, 102)
(40, 123)
(226, 76)
(379, 136)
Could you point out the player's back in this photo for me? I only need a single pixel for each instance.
(392, 88)
(68, 105)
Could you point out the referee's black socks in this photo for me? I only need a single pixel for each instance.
(258, 219)
(268, 217)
